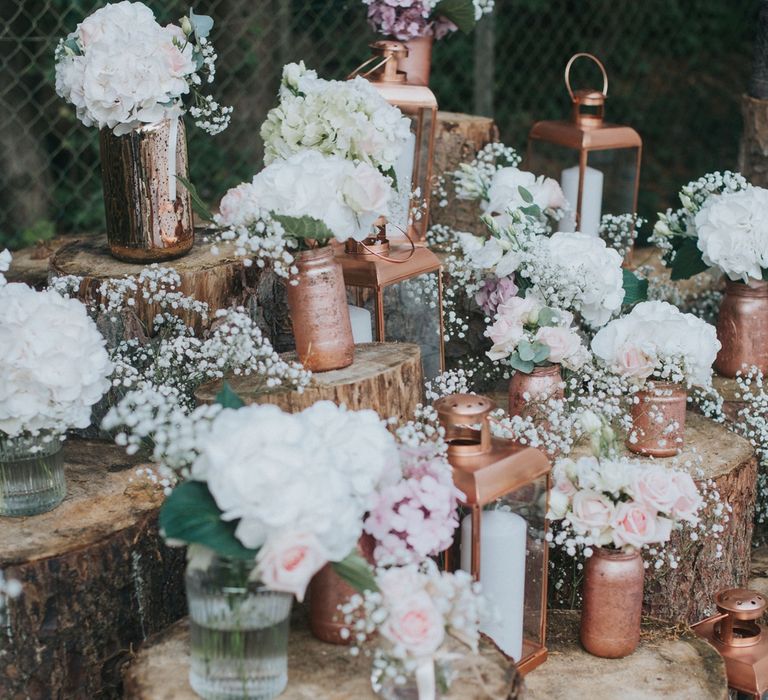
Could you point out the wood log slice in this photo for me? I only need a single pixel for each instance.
(728, 388)
(220, 280)
(458, 138)
(686, 594)
(316, 671)
(671, 663)
(30, 265)
(385, 377)
(96, 580)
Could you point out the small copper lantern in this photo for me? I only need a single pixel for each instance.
(502, 539)
(740, 639)
(413, 170)
(596, 163)
(400, 286)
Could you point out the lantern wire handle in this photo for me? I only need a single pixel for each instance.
(357, 70)
(568, 73)
(386, 258)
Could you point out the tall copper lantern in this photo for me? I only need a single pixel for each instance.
(502, 539)
(400, 289)
(596, 163)
(413, 170)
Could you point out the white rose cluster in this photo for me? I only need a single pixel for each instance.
(313, 472)
(656, 338)
(346, 196)
(504, 192)
(53, 362)
(732, 231)
(343, 118)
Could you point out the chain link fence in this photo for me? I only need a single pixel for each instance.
(677, 69)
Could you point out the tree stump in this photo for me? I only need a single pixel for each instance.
(96, 580)
(728, 388)
(385, 377)
(686, 594)
(458, 137)
(671, 663)
(315, 670)
(30, 265)
(221, 281)
(753, 150)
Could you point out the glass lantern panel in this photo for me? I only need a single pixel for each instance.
(362, 313)
(619, 169)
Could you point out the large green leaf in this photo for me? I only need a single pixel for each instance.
(460, 12)
(524, 366)
(200, 207)
(635, 289)
(304, 227)
(688, 261)
(191, 515)
(356, 572)
(228, 398)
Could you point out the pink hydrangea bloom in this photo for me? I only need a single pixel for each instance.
(495, 292)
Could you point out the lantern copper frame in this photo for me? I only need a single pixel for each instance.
(485, 468)
(418, 103)
(587, 132)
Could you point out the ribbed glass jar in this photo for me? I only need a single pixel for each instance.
(31, 475)
(239, 632)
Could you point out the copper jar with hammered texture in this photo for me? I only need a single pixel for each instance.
(148, 211)
(417, 65)
(612, 603)
(742, 327)
(658, 420)
(319, 312)
(527, 392)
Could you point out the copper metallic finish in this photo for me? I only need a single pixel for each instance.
(612, 603)
(742, 327)
(143, 224)
(740, 639)
(542, 384)
(318, 306)
(327, 591)
(417, 64)
(660, 406)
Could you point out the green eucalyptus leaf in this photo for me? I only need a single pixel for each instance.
(356, 572)
(201, 24)
(531, 210)
(228, 398)
(190, 514)
(526, 367)
(525, 350)
(304, 227)
(525, 194)
(460, 12)
(635, 289)
(200, 207)
(548, 317)
(541, 352)
(687, 261)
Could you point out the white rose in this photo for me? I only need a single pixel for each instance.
(563, 343)
(289, 560)
(415, 624)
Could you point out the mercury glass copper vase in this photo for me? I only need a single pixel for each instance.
(417, 65)
(317, 301)
(612, 603)
(148, 211)
(658, 420)
(742, 328)
(528, 392)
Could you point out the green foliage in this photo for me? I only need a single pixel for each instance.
(304, 227)
(42, 230)
(190, 515)
(227, 398)
(687, 260)
(356, 572)
(201, 24)
(460, 12)
(635, 289)
(200, 207)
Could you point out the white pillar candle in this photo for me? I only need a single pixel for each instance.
(399, 204)
(591, 199)
(362, 328)
(503, 537)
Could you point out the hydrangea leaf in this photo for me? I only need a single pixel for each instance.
(228, 398)
(356, 572)
(304, 227)
(635, 289)
(687, 261)
(200, 207)
(460, 12)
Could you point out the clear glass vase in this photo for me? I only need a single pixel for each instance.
(31, 475)
(239, 632)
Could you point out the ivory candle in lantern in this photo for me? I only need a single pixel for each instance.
(400, 207)
(591, 200)
(362, 330)
(503, 538)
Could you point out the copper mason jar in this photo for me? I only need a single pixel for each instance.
(327, 591)
(612, 603)
(418, 63)
(542, 384)
(742, 327)
(145, 221)
(658, 420)
(319, 312)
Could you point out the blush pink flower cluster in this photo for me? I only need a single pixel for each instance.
(414, 517)
(494, 292)
(622, 503)
(407, 19)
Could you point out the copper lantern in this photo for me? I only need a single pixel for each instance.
(413, 170)
(739, 638)
(502, 539)
(596, 163)
(398, 291)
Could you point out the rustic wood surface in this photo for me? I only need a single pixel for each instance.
(96, 580)
(686, 290)
(686, 593)
(385, 377)
(670, 663)
(30, 265)
(316, 671)
(458, 137)
(753, 150)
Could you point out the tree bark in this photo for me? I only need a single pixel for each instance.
(96, 580)
(385, 377)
